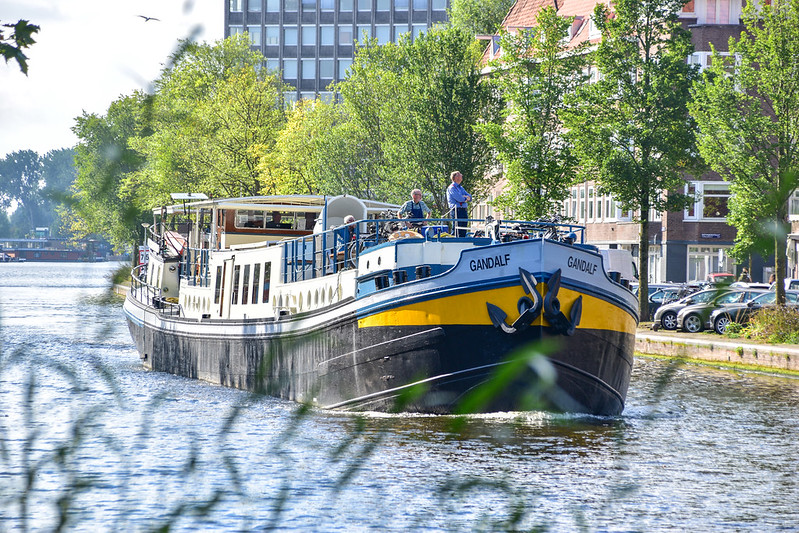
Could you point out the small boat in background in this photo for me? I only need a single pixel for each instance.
(277, 294)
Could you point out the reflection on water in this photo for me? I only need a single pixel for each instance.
(123, 449)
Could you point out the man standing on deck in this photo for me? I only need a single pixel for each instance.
(457, 198)
(415, 208)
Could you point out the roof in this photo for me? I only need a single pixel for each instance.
(523, 14)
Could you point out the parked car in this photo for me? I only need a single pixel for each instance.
(666, 315)
(741, 313)
(694, 318)
(720, 278)
(666, 295)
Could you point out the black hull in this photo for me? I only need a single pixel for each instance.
(343, 366)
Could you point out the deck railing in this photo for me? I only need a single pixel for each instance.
(150, 295)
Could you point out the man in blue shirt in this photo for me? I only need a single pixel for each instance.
(415, 208)
(457, 198)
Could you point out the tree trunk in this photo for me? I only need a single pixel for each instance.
(780, 249)
(643, 267)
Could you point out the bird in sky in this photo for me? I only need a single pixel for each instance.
(146, 19)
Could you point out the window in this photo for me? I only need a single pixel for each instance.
(236, 278)
(248, 218)
(399, 30)
(290, 36)
(272, 65)
(718, 12)
(245, 286)
(267, 276)
(218, 285)
(326, 68)
(401, 5)
(384, 5)
(273, 6)
(590, 203)
(439, 5)
(711, 200)
(382, 33)
(308, 5)
(793, 206)
(308, 69)
(308, 35)
(420, 5)
(343, 65)
(327, 35)
(345, 5)
(236, 30)
(419, 29)
(290, 69)
(327, 5)
(254, 6)
(290, 5)
(255, 35)
(256, 280)
(235, 5)
(345, 34)
(272, 35)
(364, 32)
(364, 5)
(704, 260)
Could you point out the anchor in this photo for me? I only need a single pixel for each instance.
(552, 312)
(529, 307)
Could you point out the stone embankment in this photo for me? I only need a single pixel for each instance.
(715, 349)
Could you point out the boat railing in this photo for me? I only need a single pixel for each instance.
(339, 248)
(150, 295)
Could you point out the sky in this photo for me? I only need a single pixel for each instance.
(87, 54)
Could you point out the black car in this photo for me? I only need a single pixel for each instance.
(741, 313)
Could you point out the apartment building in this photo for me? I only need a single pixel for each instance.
(311, 42)
(686, 245)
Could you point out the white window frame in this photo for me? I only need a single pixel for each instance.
(699, 205)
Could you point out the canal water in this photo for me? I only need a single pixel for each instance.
(91, 440)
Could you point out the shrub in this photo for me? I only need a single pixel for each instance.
(776, 325)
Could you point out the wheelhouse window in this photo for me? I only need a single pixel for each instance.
(247, 218)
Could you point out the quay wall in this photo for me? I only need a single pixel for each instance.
(715, 349)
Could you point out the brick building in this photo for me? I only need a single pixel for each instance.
(684, 245)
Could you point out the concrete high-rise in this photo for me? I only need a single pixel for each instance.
(312, 41)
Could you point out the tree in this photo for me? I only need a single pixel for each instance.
(631, 129)
(102, 201)
(478, 17)
(534, 75)
(58, 174)
(213, 111)
(747, 108)
(20, 183)
(420, 100)
(12, 46)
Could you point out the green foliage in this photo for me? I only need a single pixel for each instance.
(213, 112)
(13, 44)
(534, 75)
(20, 182)
(104, 158)
(631, 129)
(776, 325)
(478, 17)
(747, 108)
(417, 102)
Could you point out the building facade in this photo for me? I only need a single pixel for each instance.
(312, 42)
(686, 245)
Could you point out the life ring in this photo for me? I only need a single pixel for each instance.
(404, 234)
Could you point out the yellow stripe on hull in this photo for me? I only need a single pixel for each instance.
(469, 309)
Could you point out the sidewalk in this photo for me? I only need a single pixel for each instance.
(717, 349)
